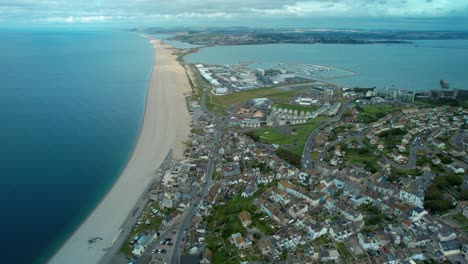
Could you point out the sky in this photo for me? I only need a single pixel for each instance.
(366, 14)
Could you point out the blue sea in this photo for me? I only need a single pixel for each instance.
(71, 106)
(418, 66)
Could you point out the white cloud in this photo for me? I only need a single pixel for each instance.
(72, 19)
(144, 11)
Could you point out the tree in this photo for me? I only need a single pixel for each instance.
(446, 160)
(454, 180)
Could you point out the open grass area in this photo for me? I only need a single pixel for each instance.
(362, 156)
(406, 172)
(344, 253)
(462, 220)
(322, 241)
(291, 138)
(372, 113)
(423, 103)
(359, 155)
(315, 155)
(154, 226)
(374, 109)
(275, 93)
(442, 101)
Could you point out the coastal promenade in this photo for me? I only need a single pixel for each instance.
(165, 126)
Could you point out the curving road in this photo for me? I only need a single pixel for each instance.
(306, 161)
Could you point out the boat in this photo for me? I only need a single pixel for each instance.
(444, 84)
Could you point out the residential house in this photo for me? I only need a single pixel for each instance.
(446, 233)
(265, 246)
(239, 241)
(368, 242)
(168, 220)
(143, 242)
(245, 218)
(206, 256)
(449, 248)
(412, 195)
(298, 210)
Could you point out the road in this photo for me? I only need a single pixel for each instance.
(183, 223)
(190, 213)
(306, 161)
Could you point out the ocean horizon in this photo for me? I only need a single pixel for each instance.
(72, 106)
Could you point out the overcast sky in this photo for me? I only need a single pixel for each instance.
(390, 14)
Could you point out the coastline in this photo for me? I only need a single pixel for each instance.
(165, 125)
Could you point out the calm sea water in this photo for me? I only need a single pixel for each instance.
(71, 105)
(419, 66)
(173, 43)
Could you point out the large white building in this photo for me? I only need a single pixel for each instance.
(414, 197)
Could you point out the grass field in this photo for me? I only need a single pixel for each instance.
(359, 155)
(322, 241)
(372, 113)
(462, 220)
(343, 251)
(295, 140)
(374, 109)
(362, 156)
(315, 155)
(272, 93)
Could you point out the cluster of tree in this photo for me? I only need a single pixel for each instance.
(289, 156)
(253, 135)
(435, 199)
(373, 215)
(393, 132)
(272, 72)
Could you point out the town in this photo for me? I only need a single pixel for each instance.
(309, 172)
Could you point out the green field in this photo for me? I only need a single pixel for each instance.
(315, 155)
(299, 108)
(440, 102)
(294, 141)
(374, 109)
(275, 93)
(322, 241)
(462, 220)
(362, 156)
(344, 253)
(372, 113)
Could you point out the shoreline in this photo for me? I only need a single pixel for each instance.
(165, 125)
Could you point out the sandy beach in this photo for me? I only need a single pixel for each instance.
(165, 126)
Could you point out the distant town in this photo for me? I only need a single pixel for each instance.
(286, 169)
(249, 36)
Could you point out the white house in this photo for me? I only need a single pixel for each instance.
(414, 197)
(239, 241)
(368, 242)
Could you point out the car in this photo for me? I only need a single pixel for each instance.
(162, 242)
(170, 244)
(154, 251)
